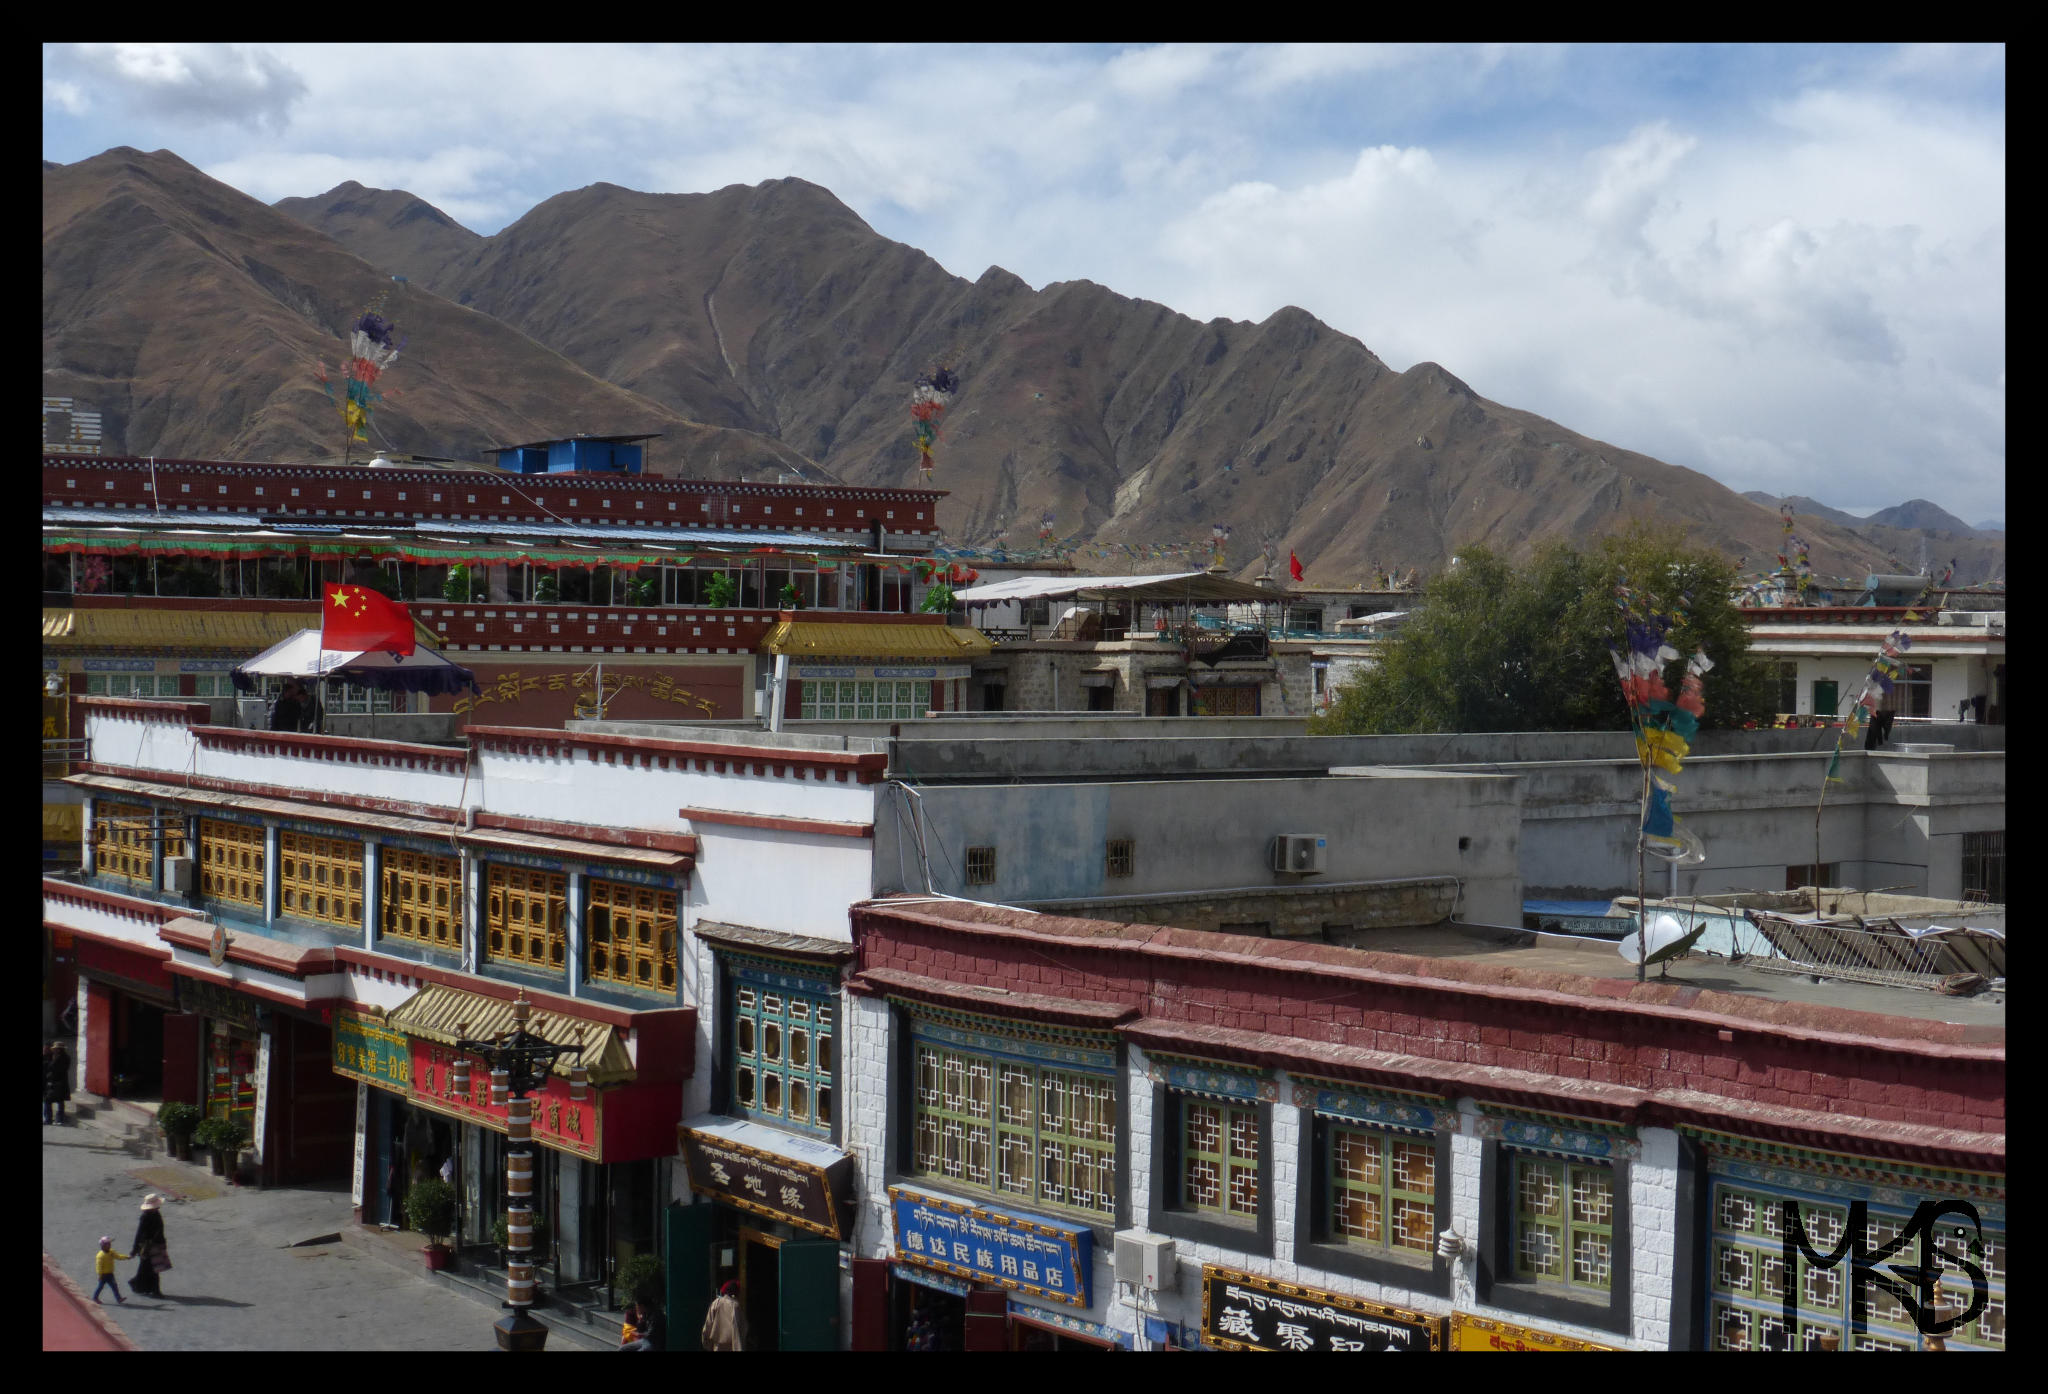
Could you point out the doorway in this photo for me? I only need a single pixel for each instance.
(1825, 696)
(760, 1287)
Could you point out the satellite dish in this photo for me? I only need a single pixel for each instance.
(1668, 939)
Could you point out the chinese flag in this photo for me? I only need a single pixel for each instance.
(1294, 566)
(355, 620)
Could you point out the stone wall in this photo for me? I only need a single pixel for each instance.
(1332, 913)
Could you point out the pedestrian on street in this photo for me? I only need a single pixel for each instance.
(289, 713)
(394, 1186)
(103, 1265)
(725, 1326)
(56, 1082)
(150, 1248)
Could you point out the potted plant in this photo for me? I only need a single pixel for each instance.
(721, 591)
(639, 1279)
(178, 1122)
(547, 590)
(229, 1138)
(430, 1209)
(503, 1236)
(204, 1135)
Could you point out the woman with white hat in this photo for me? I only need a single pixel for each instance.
(149, 1248)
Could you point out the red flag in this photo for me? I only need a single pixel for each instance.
(1294, 566)
(356, 620)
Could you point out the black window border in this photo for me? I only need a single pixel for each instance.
(1312, 1245)
(1255, 1238)
(901, 1140)
(725, 1056)
(1497, 1239)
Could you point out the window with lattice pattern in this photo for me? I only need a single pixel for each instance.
(630, 936)
(1564, 1223)
(981, 866)
(1219, 1158)
(526, 917)
(422, 898)
(1016, 1129)
(231, 862)
(321, 878)
(122, 836)
(1121, 856)
(1746, 1276)
(1382, 1190)
(784, 1045)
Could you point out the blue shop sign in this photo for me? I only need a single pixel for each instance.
(1002, 1248)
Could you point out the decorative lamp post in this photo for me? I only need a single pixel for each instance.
(520, 1062)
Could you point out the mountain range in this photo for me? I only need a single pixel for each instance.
(768, 330)
(1916, 536)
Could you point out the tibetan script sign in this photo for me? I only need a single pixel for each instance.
(366, 1051)
(767, 1183)
(558, 1121)
(1001, 1248)
(1484, 1333)
(1241, 1312)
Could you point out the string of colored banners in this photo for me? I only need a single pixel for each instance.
(373, 348)
(1664, 729)
(1877, 685)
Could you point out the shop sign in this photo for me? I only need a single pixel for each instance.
(1484, 1333)
(1243, 1312)
(766, 1183)
(557, 1121)
(368, 1052)
(939, 673)
(220, 1003)
(1023, 1253)
(509, 687)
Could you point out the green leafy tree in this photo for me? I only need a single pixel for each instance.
(1500, 647)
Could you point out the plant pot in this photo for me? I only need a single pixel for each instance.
(181, 1146)
(214, 1160)
(437, 1256)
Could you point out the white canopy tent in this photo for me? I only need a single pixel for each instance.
(302, 657)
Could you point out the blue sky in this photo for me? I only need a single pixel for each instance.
(1783, 266)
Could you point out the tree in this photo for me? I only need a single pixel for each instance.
(1496, 647)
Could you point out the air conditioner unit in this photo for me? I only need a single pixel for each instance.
(178, 875)
(1145, 1260)
(1300, 853)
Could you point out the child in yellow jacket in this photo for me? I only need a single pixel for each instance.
(103, 1264)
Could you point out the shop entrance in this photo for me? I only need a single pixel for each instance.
(138, 1050)
(760, 1287)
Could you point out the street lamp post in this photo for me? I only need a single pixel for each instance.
(519, 1062)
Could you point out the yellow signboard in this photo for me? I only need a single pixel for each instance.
(1484, 1333)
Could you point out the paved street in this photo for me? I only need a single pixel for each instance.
(236, 1284)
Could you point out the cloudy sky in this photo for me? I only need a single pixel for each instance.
(1782, 266)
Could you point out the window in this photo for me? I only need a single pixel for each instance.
(1913, 695)
(422, 898)
(630, 936)
(213, 685)
(865, 700)
(526, 917)
(321, 878)
(1219, 1158)
(348, 698)
(783, 1054)
(1238, 700)
(1788, 686)
(1984, 866)
(1809, 874)
(231, 862)
(122, 842)
(1015, 1128)
(981, 866)
(1119, 856)
(1564, 1224)
(1745, 1275)
(147, 686)
(1382, 1191)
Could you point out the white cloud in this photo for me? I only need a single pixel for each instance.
(66, 96)
(235, 83)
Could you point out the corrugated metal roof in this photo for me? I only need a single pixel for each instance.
(276, 808)
(369, 530)
(741, 936)
(576, 850)
(447, 1014)
(804, 639)
(146, 626)
(1172, 588)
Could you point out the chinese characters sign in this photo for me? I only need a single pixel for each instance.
(365, 1051)
(510, 685)
(782, 1188)
(994, 1246)
(1241, 1312)
(1484, 1333)
(557, 1122)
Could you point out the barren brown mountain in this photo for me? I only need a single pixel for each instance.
(196, 319)
(776, 308)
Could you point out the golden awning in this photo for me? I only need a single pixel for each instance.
(433, 1014)
(926, 642)
(144, 627)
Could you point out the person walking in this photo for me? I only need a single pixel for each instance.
(289, 713)
(150, 1248)
(103, 1265)
(56, 1082)
(725, 1326)
(394, 1186)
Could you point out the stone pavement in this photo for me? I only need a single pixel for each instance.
(70, 1319)
(242, 1277)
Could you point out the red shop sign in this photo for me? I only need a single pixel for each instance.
(557, 1121)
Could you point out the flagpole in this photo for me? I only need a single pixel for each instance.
(1642, 910)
